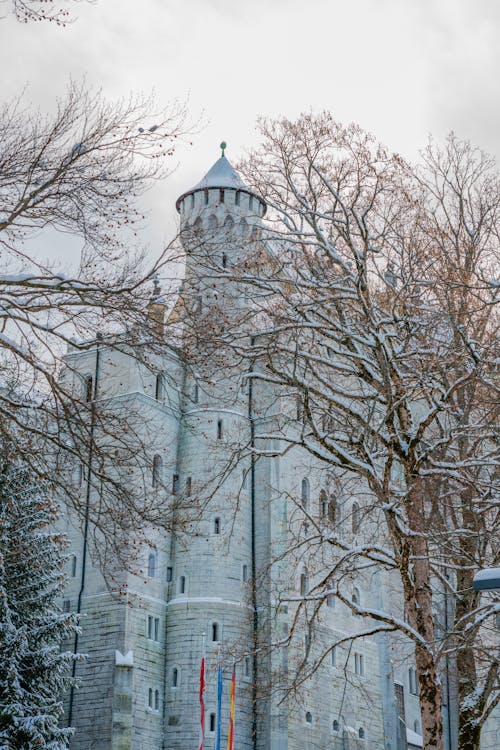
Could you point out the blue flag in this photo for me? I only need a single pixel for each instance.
(219, 705)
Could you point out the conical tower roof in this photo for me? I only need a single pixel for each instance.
(221, 175)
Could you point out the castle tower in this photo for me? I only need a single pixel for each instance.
(212, 568)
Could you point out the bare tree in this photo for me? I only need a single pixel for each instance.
(27, 11)
(80, 172)
(377, 309)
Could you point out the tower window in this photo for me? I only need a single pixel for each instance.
(157, 700)
(304, 583)
(361, 733)
(323, 505)
(87, 388)
(221, 195)
(247, 666)
(159, 387)
(412, 681)
(199, 303)
(250, 203)
(67, 605)
(359, 664)
(309, 718)
(182, 584)
(356, 518)
(224, 260)
(152, 565)
(79, 475)
(244, 573)
(356, 597)
(305, 493)
(335, 725)
(332, 512)
(73, 566)
(195, 393)
(175, 678)
(157, 467)
(206, 197)
(217, 525)
(153, 628)
(211, 723)
(169, 574)
(175, 484)
(215, 632)
(188, 486)
(192, 200)
(219, 429)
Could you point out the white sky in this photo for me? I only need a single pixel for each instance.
(400, 68)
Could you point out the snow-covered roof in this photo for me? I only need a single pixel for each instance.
(221, 175)
(413, 738)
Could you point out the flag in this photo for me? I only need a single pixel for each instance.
(232, 694)
(219, 701)
(202, 696)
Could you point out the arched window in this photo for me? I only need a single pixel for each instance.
(247, 666)
(212, 223)
(359, 664)
(151, 565)
(244, 573)
(221, 195)
(188, 486)
(150, 698)
(361, 733)
(412, 681)
(237, 198)
(206, 196)
(175, 678)
(332, 512)
(192, 200)
(243, 226)
(217, 525)
(157, 700)
(309, 718)
(304, 582)
(219, 429)
(305, 493)
(335, 725)
(182, 584)
(157, 467)
(175, 484)
(211, 723)
(73, 566)
(356, 598)
(356, 518)
(159, 386)
(215, 632)
(323, 505)
(224, 260)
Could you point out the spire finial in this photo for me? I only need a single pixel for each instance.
(223, 146)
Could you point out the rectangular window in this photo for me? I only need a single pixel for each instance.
(153, 628)
(221, 195)
(66, 605)
(219, 429)
(169, 574)
(244, 573)
(188, 486)
(359, 664)
(175, 484)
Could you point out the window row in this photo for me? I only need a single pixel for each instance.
(335, 725)
(152, 572)
(329, 509)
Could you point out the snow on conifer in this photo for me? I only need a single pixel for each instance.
(34, 674)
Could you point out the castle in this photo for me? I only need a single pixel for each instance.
(139, 684)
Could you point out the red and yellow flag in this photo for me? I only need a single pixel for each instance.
(232, 694)
(202, 698)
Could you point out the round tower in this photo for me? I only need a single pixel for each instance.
(210, 591)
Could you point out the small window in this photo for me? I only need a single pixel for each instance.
(169, 574)
(157, 470)
(211, 723)
(309, 718)
(192, 200)
(335, 725)
(157, 700)
(224, 260)
(157, 629)
(244, 573)
(182, 584)
(219, 429)
(79, 475)
(237, 198)
(188, 486)
(248, 669)
(304, 583)
(217, 525)
(412, 681)
(88, 388)
(175, 678)
(356, 518)
(153, 628)
(206, 197)
(250, 203)
(66, 605)
(215, 632)
(221, 195)
(152, 565)
(359, 664)
(356, 598)
(305, 493)
(332, 512)
(159, 387)
(361, 733)
(73, 566)
(195, 393)
(175, 484)
(334, 656)
(150, 698)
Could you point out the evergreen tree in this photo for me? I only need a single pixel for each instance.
(34, 673)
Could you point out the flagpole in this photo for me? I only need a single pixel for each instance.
(202, 694)
(219, 695)
(232, 693)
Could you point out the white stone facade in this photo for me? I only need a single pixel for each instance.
(139, 685)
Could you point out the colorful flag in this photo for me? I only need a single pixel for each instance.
(219, 701)
(202, 695)
(232, 694)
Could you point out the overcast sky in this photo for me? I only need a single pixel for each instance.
(400, 68)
